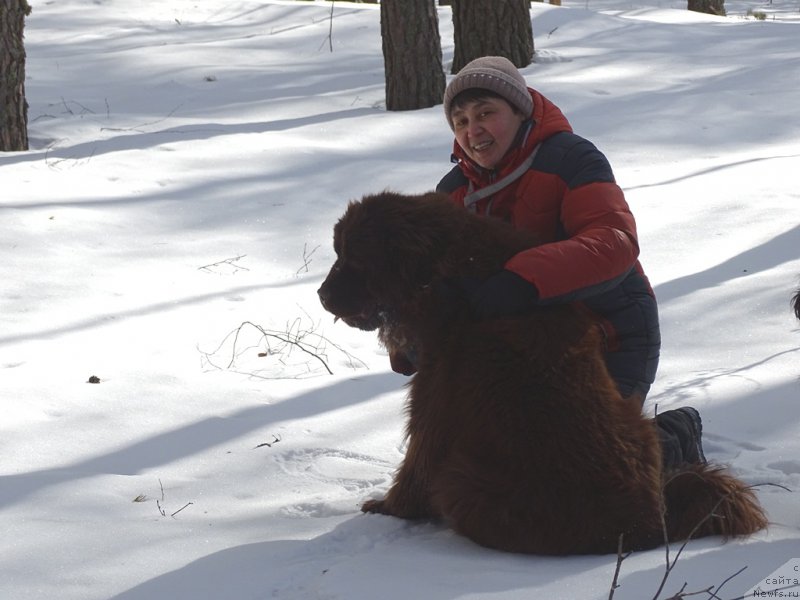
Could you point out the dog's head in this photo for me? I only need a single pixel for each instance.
(386, 252)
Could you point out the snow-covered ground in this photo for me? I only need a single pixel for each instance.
(188, 162)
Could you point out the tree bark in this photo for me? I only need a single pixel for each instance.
(492, 28)
(711, 7)
(13, 106)
(412, 54)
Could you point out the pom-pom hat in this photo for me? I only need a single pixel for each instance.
(494, 73)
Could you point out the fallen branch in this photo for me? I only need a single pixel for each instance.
(138, 128)
(69, 111)
(292, 340)
(306, 258)
(275, 440)
(160, 503)
(231, 262)
(281, 345)
(181, 508)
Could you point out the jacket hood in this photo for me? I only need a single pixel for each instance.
(545, 120)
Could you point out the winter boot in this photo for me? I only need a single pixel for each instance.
(681, 433)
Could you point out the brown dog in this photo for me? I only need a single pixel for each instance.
(517, 436)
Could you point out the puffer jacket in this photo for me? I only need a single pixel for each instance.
(589, 248)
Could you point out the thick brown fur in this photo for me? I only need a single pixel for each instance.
(517, 435)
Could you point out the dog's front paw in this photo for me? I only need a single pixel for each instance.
(375, 506)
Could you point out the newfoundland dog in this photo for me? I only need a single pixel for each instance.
(517, 435)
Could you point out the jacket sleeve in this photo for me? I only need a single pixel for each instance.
(599, 245)
(454, 184)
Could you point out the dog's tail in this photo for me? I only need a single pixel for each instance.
(703, 500)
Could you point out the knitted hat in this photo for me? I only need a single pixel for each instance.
(494, 73)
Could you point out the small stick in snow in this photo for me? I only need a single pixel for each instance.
(275, 440)
(180, 509)
(306, 258)
(227, 261)
(620, 558)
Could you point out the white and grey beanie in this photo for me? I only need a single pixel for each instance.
(494, 73)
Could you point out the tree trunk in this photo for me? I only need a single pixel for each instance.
(711, 7)
(492, 28)
(412, 54)
(13, 107)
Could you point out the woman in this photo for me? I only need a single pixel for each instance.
(518, 160)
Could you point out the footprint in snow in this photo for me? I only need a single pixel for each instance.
(787, 467)
(726, 449)
(349, 470)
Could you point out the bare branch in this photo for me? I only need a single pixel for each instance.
(306, 258)
(138, 128)
(160, 504)
(330, 28)
(231, 262)
(620, 558)
(275, 440)
(727, 579)
(180, 509)
(280, 345)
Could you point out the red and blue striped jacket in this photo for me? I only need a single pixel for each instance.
(589, 246)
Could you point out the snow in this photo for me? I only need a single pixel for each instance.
(188, 162)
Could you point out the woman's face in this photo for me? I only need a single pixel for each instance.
(485, 129)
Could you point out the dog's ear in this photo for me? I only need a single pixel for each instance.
(402, 242)
(430, 222)
(416, 257)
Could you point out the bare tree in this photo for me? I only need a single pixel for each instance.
(13, 106)
(412, 54)
(492, 28)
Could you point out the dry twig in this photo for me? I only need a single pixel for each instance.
(280, 345)
(620, 558)
(306, 258)
(231, 262)
(160, 503)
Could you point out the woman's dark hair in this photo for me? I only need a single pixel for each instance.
(475, 95)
